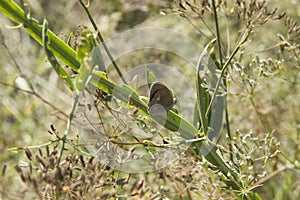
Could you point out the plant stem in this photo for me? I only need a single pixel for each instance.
(218, 31)
(267, 130)
(103, 42)
(225, 67)
(64, 138)
(224, 80)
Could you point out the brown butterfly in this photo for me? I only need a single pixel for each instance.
(161, 99)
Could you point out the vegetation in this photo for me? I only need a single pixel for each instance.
(74, 115)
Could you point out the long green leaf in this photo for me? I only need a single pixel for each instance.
(203, 95)
(57, 46)
(62, 73)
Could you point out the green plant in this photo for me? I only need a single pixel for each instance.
(240, 168)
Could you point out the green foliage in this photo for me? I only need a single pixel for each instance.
(258, 146)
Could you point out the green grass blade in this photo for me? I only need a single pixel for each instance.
(60, 49)
(203, 95)
(62, 73)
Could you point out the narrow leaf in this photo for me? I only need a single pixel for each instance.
(62, 73)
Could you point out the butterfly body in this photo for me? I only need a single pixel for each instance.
(160, 99)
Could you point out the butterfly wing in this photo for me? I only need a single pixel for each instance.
(161, 97)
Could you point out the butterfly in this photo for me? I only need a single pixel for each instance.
(161, 99)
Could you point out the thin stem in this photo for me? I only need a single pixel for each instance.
(225, 67)
(218, 32)
(32, 147)
(258, 114)
(36, 95)
(103, 42)
(229, 134)
(64, 138)
(224, 80)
